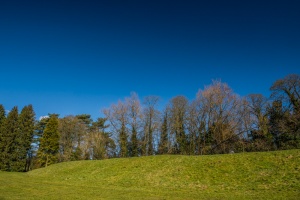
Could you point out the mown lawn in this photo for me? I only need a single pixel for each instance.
(267, 175)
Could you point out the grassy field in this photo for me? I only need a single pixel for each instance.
(268, 175)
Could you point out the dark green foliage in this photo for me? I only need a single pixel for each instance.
(123, 141)
(206, 139)
(14, 141)
(286, 91)
(26, 131)
(2, 114)
(217, 122)
(260, 137)
(85, 118)
(178, 123)
(11, 142)
(102, 145)
(151, 118)
(2, 145)
(72, 132)
(134, 143)
(163, 144)
(77, 154)
(283, 127)
(100, 125)
(16, 138)
(38, 133)
(49, 143)
(150, 137)
(260, 141)
(181, 138)
(40, 126)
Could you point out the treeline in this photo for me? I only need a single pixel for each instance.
(16, 136)
(216, 121)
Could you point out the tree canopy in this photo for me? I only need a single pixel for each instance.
(216, 121)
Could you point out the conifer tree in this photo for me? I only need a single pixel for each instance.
(2, 121)
(26, 125)
(102, 145)
(86, 123)
(2, 114)
(178, 122)
(134, 143)
(134, 117)
(49, 143)
(10, 141)
(163, 144)
(123, 141)
(39, 128)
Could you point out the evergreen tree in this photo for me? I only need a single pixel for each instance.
(134, 142)
(49, 143)
(133, 116)
(123, 141)
(69, 128)
(85, 118)
(2, 121)
(101, 144)
(26, 125)
(150, 137)
(10, 142)
(276, 114)
(38, 133)
(178, 122)
(86, 124)
(163, 145)
(2, 114)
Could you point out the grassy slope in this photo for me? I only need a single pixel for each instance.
(270, 175)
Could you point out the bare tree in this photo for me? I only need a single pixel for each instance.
(118, 119)
(257, 106)
(151, 123)
(196, 126)
(287, 90)
(178, 120)
(285, 112)
(134, 121)
(221, 115)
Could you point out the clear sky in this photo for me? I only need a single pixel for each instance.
(73, 57)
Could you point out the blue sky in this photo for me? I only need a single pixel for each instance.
(73, 57)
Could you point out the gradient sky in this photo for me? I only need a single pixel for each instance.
(73, 57)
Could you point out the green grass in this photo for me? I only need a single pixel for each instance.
(267, 175)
